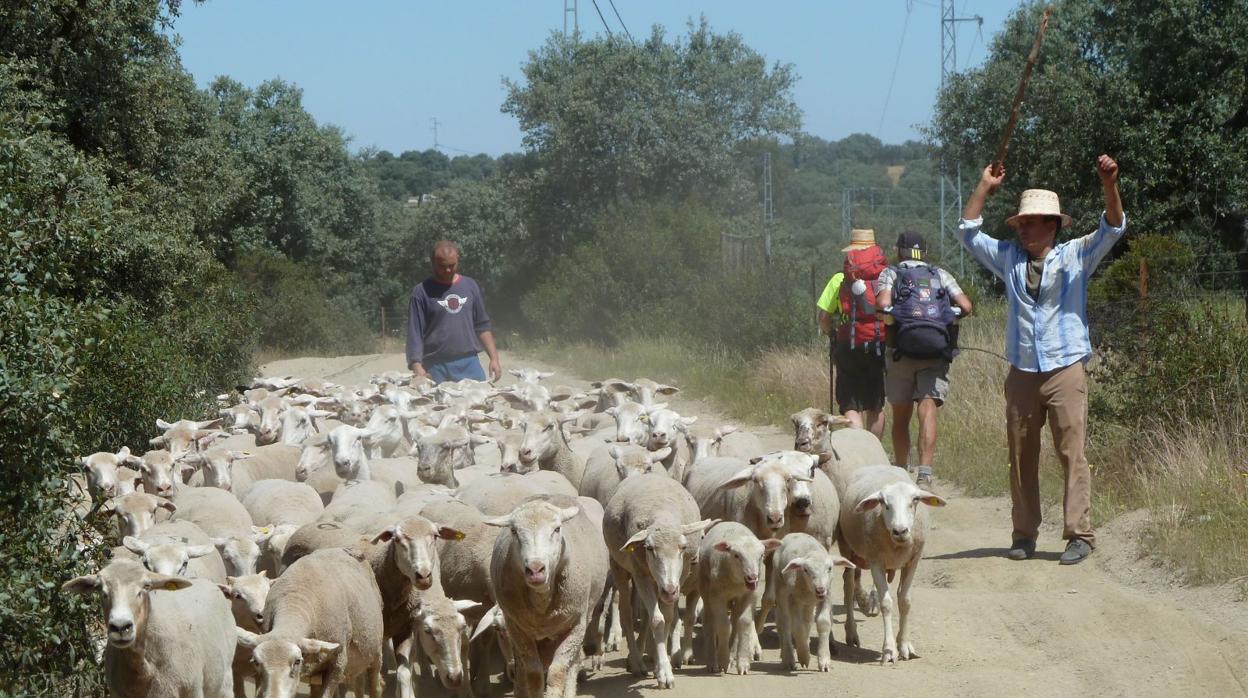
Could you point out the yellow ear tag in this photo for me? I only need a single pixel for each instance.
(632, 547)
(170, 586)
(459, 535)
(264, 529)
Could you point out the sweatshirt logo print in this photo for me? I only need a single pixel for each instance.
(453, 303)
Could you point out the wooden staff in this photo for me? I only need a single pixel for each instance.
(999, 161)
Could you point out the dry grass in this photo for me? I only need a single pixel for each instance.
(1192, 477)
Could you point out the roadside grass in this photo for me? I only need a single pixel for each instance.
(1191, 477)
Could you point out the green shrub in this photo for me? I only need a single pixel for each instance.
(294, 312)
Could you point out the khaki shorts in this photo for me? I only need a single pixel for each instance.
(911, 380)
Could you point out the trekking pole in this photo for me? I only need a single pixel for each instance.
(999, 160)
(832, 373)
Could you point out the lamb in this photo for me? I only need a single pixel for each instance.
(701, 441)
(106, 474)
(652, 529)
(546, 445)
(547, 573)
(730, 565)
(611, 465)
(156, 472)
(136, 512)
(270, 409)
(177, 549)
(803, 569)
(323, 621)
(883, 524)
(631, 421)
(247, 595)
(509, 443)
(242, 418)
(149, 652)
(442, 632)
(273, 502)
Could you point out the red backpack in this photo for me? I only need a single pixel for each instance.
(863, 326)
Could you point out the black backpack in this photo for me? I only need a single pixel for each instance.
(922, 314)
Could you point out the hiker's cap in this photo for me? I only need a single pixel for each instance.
(1038, 202)
(860, 240)
(911, 244)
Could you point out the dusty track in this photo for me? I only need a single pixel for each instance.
(983, 625)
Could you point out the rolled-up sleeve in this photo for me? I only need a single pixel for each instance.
(1094, 246)
(990, 252)
(415, 330)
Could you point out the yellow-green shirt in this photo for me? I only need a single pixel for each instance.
(830, 301)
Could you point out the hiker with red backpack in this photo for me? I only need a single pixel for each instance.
(918, 300)
(849, 300)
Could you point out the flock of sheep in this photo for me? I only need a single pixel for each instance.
(316, 532)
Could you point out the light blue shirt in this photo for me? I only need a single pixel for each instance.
(1051, 331)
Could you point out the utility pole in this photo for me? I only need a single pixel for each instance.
(950, 190)
(768, 210)
(569, 8)
(434, 121)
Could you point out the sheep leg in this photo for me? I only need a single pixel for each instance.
(530, 674)
(868, 601)
(593, 634)
(564, 665)
(784, 626)
(715, 623)
(689, 619)
(660, 616)
(823, 624)
(851, 626)
(403, 667)
(622, 591)
(614, 629)
(744, 632)
(905, 649)
(478, 669)
(889, 653)
(803, 614)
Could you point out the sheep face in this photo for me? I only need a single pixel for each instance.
(443, 634)
(296, 426)
(770, 483)
(535, 533)
(354, 412)
(156, 468)
(644, 390)
(414, 550)
(387, 430)
(669, 555)
(631, 423)
(441, 454)
(509, 444)
(314, 455)
(270, 421)
(136, 512)
(347, 450)
(894, 507)
(664, 426)
(632, 462)
(167, 557)
(541, 439)
(240, 555)
(802, 467)
(810, 426)
(241, 417)
(272, 542)
(247, 595)
(814, 574)
(101, 470)
(280, 664)
(744, 556)
(124, 586)
(217, 466)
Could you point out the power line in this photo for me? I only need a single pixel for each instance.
(604, 19)
(617, 16)
(897, 62)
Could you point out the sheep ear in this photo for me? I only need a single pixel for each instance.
(838, 561)
(723, 546)
(156, 441)
(387, 535)
(771, 544)
(166, 504)
(698, 526)
(795, 563)
(631, 544)
(499, 521)
(135, 545)
(930, 499)
(448, 533)
(656, 456)
(462, 605)
(246, 638)
(486, 622)
(314, 651)
(756, 460)
(164, 582)
(226, 590)
(195, 551)
(569, 512)
(869, 503)
(82, 585)
(162, 424)
(124, 453)
(742, 477)
(686, 422)
(725, 430)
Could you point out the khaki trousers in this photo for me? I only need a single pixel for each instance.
(1060, 397)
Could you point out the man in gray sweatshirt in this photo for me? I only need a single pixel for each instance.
(447, 323)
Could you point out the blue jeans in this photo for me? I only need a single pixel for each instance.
(456, 369)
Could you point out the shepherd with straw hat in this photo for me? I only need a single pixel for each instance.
(1047, 345)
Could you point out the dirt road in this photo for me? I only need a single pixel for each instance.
(983, 625)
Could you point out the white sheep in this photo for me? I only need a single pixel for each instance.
(356, 498)
(612, 464)
(348, 449)
(499, 493)
(387, 432)
(757, 494)
(546, 446)
(803, 570)
(247, 595)
(644, 390)
(107, 475)
(136, 512)
(530, 375)
(883, 523)
(324, 621)
(177, 549)
(811, 428)
(440, 630)
(183, 435)
(150, 651)
(547, 572)
(273, 502)
(731, 578)
(652, 529)
(240, 552)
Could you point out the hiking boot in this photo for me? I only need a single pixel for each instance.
(1076, 550)
(1022, 549)
(924, 478)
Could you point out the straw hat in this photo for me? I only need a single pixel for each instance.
(860, 240)
(1038, 202)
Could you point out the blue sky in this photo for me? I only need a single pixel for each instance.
(383, 70)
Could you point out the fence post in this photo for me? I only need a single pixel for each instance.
(383, 322)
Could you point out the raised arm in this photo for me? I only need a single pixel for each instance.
(1096, 245)
(989, 181)
(1107, 170)
(990, 252)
